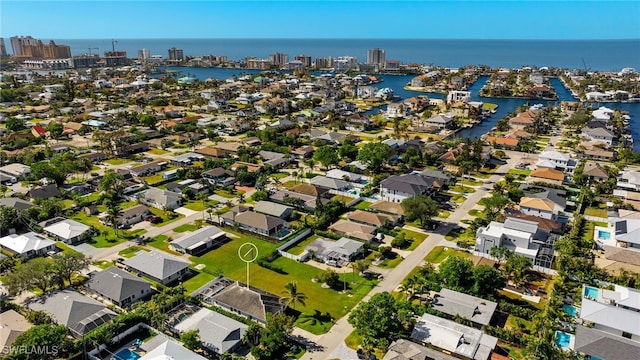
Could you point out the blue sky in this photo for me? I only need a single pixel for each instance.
(321, 19)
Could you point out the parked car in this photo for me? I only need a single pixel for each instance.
(154, 219)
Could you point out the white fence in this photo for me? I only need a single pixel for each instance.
(95, 353)
(288, 244)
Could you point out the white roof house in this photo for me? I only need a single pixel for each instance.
(217, 332)
(158, 265)
(273, 209)
(199, 240)
(27, 245)
(171, 350)
(614, 311)
(67, 230)
(629, 179)
(342, 175)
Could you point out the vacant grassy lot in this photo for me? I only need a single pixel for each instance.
(185, 227)
(416, 237)
(463, 190)
(130, 251)
(318, 313)
(519, 172)
(439, 253)
(117, 161)
(362, 205)
(197, 205)
(594, 211)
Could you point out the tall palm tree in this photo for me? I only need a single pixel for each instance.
(291, 295)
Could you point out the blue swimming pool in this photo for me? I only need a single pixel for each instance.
(571, 310)
(604, 235)
(126, 354)
(563, 340)
(591, 292)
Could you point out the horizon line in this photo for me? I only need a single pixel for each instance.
(327, 38)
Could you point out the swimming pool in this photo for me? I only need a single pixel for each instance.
(591, 292)
(126, 354)
(571, 310)
(604, 235)
(563, 340)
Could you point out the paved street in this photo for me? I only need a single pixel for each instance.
(331, 345)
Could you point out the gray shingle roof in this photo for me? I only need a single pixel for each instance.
(473, 308)
(598, 343)
(199, 237)
(156, 263)
(117, 284)
(217, 332)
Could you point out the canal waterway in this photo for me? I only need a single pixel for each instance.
(397, 83)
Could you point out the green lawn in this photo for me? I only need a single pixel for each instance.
(185, 227)
(475, 212)
(154, 179)
(103, 264)
(161, 242)
(362, 205)
(594, 211)
(471, 182)
(417, 238)
(458, 199)
(224, 260)
(117, 161)
(443, 214)
(166, 217)
(343, 199)
(157, 151)
(197, 281)
(196, 205)
(390, 263)
(130, 251)
(457, 235)
(518, 172)
(463, 190)
(279, 175)
(298, 248)
(224, 193)
(439, 253)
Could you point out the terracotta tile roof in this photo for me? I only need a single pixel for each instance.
(511, 142)
(535, 203)
(550, 174)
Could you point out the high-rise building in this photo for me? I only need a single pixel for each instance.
(304, 59)
(279, 58)
(30, 48)
(176, 54)
(144, 54)
(323, 63)
(3, 48)
(18, 41)
(116, 58)
(375, 56)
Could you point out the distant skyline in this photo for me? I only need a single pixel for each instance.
(122, 19)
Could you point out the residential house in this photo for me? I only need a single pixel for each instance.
(456, 95)
(94, 157)
(416, 104)
(523, 237)
(354, 230)
(440, 121)
(160, 199)
(12, 324)
(148, 169)
(343, 250)
(621, 231)
(66, 230)
(371, 218)
(186, 159)
(547, 175)
(274, 159)
(328, 183)
(16, 203)
(158, 265)
(80, 313)
(629, 180)
(397, 110)
(599, 135)
(45, 192)
(344, 175)
(296, 199)
(520, 122)
(595, 172)
(27, 245)
(387, 207)
(503, 142)
(219, 176)
(454, 338)
(303, 152)
(218, 333)
(273, 209)
(555, 160)
(399, 187)
(199, 241)
(129, 216)
(262, 224)
(614, 318)
(211, 152)
(402, 349)
(454, 303)
(241, 299)
(119, 286)
(543, 208)
(168, 349)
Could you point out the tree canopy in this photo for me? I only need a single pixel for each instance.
(326, 155)
(421, 208)
(378, 320)
(374, 154)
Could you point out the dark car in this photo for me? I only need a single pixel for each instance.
(154, 219)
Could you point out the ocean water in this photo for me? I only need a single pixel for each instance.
(601, 55)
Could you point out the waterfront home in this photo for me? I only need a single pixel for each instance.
(503, 142)
(453, 338)
(199, 241)
(440, 121)
(454, 303)
(523, 237)
(629, 180)
(614, 316)
(80, 313)
(118, 286)
(599, 134)
(158, 266)
(397, 110)
(68, 231)
(217, 333)
(248, 301)
(457, 95)
(27, 245)
(399, 187)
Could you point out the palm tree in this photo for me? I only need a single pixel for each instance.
(291, 295)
